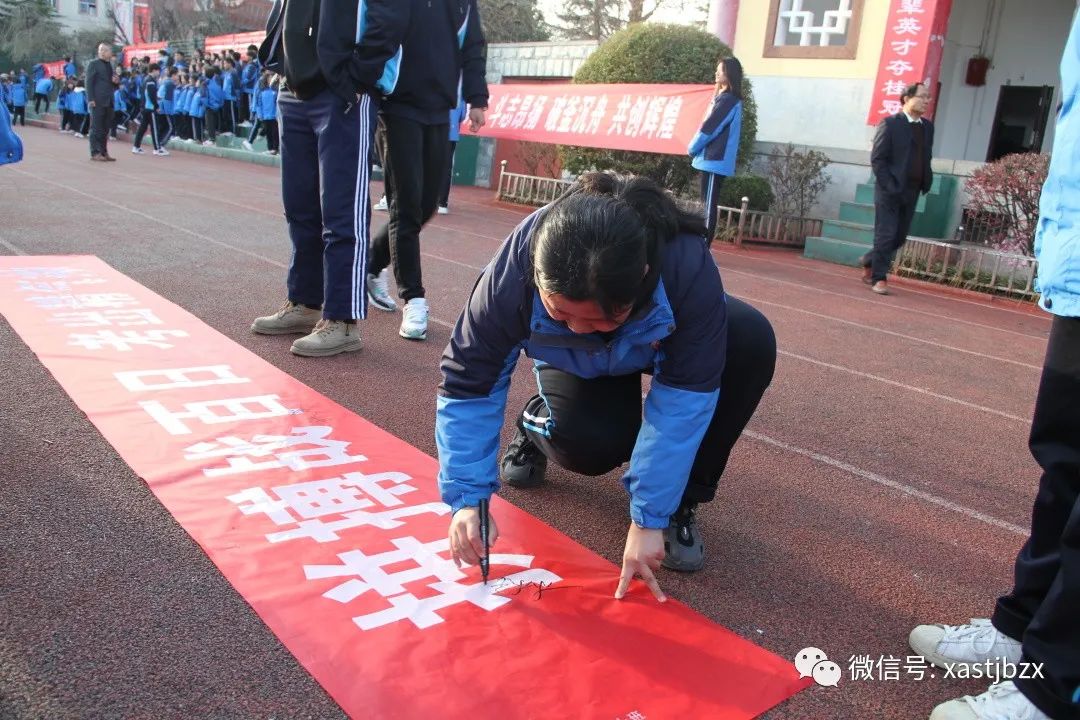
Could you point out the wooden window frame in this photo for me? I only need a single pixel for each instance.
(847, 51)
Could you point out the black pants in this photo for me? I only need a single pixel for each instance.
(229, 119)
(254, 133)
(38, 98)
(414, 167)
(147, 120)
(101, 120)
(82, 123)
(244, 111)
(65, 119)
(596, 421)
(1043, 609)
(197, 128)
(18, 113)
(892, 220)
(710, 197)
(270, 130)
(120, 120)
(448, 178)
(213, 123)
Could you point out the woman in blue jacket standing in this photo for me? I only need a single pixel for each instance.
(715, 147)
(610, 282)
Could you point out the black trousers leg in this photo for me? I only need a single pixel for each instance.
(1043, 609)
(19, 115)
(892, 221)
(272, 139)
(444, 195)
(100, 121)
(710, 196)
(590, 426)
(413, 168)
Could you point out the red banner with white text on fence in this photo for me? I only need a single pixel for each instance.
(646, 118)
(333, 531)
(911, 52)
(236, 41)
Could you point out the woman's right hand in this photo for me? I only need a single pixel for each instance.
(465, 543)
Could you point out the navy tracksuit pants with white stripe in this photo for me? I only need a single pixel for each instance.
(325, 170)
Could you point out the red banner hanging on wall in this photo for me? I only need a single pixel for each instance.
(647, 118)
(911, 52)
(333, 531)
(236, 41)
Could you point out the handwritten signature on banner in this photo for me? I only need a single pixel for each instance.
(321, 510)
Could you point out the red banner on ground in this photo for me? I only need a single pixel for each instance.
(237, 41)
(911, 52)
(333, 531)
(648, 118)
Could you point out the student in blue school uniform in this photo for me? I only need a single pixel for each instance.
(166, 107)
(70, 70)
(183, 111)
(197, 109)
(80, 110)
(148, 118)
(121, 108)
(250, 77)
(715, 147)
(230, 86)
(64, 106)
(42, 90)
(215, 104)
(267, 105)
(18, 103)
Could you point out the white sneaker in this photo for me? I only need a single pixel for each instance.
(971, 644)
(381, 205)
(137, 151)
(79, 135)
(161, 152)
(208, 143)
(443, 210)
(378, 291)
(227, 134)
(1001, 702)
(414, 320)
(248, 146)
(189, 140)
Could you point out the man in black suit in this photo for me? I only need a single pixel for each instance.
(901, 164)
(99, 96)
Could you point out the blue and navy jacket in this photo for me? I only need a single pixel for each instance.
(61, 98)
(77, 101)
(167, 97)
(150, 93)
(197, 106)
(18, 95)
(70, 70)
(11, 149)
(23, 80)
(679, 335)
(43, 86)
(38, 71)
(249, 77)
(215, 96)
(119, 101)
(266, 104)
(230, 84)
(715, 147)
(1057, 239)
(5, 94)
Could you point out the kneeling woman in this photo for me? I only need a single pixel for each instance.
(609, 282)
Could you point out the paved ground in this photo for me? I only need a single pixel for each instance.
(884, 481)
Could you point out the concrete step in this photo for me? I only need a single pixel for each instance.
(857, 213)
(842, 252)
(852, 232)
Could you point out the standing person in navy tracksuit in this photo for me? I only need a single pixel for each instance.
(443, 58)
(147, 119)
(334, 76)
(610, 282)
(715, 147)
(18, 103)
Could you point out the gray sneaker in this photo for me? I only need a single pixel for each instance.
(289, 320)
(329, 337)
(683, 549)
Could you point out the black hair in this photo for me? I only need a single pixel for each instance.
(596, 241)
(67, 58)
(173, 70)
(734, 73)
(155, 67)
(910, 91)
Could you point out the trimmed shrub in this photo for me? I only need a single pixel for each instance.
(754, 187)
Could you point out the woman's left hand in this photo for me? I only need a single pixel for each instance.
(641, 557)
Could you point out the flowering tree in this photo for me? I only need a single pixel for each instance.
(1006, 192)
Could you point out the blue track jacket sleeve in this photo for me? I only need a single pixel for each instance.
(723, 112)
(681, 399)
(358, 37)
(476, 367)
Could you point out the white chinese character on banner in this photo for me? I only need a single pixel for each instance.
(911, 7)
(890, 107)
(903, 47)
(653, 117)
(370, 575)
(493, 116)
(899, 67)
(119, 318)
(234, 409)
(304, 448)
(536, 112)
(522, 115)
(894, 87)
(671, 119)
(583, 119)
(124, 340)
(80, 302)
(570, 113)
(637, 116)
(507, 115)
(349, 497)
(861, 667)
(133, 380)
(58, 286)
(596, 117)
(59, 273)
(552, 122)
(907, 26)
(619, 119)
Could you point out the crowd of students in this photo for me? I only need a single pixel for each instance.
(194, 99)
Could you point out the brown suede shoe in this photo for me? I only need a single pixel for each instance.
(109, 158)
(881, 287)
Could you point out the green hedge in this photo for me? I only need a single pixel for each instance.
(754, 187)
